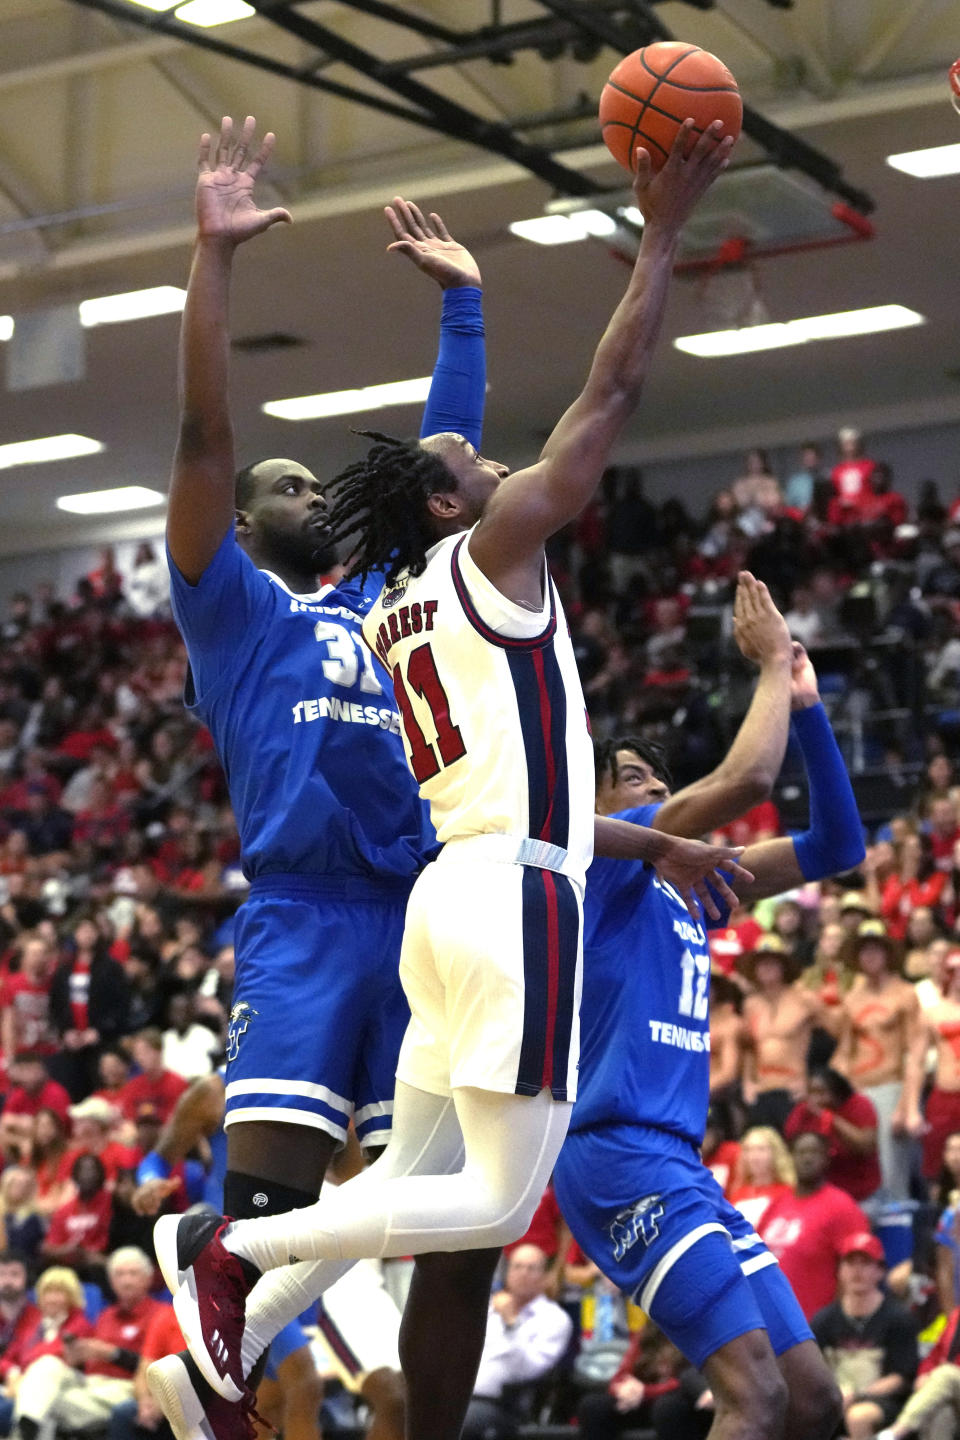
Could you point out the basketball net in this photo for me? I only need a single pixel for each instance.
(730, 296)
(955, 85)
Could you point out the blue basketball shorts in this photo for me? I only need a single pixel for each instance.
(291, 1338)
(318, 1010)
(647, 1211)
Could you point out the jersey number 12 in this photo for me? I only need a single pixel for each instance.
(694, 1001)
(423, 680)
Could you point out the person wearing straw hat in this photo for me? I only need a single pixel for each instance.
(939, 1027)
(880, 1028)
(779, 1019)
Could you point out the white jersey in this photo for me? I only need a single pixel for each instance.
(492, 711)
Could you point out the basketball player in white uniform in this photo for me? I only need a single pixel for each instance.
(496, 734)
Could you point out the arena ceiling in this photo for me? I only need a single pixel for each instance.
(101, 104)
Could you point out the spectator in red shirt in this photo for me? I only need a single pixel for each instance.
(93, 1120)
(89, 1002)
(764, 1173)
(806, 1230)
(919, 882)
(80, 1389)
(720, 1154)
(848, 1121)
(33, 1091)
(851, 478)
(102, 820)
(160, 1087)
(79, 1231)
(25, 1003)
(943, 830)
(884, 504)
(60, 1305)
(49, 1147)
(18, 1317)
(113, 1069)
(760, 823)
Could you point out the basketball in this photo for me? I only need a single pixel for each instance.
(653, 90)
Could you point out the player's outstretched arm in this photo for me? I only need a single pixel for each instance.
(747, 773)
(201, 489)
(693, 869)
(532, 504)
(196, 1116)
(458, 389)
(833, 840)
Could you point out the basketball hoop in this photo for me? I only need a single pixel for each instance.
(955, 85)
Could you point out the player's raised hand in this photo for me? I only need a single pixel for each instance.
(667, 198)
(431, 247)
(759, 629)
(698, 872)
(226, 209)
(804, 686)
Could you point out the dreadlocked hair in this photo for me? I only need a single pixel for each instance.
(605, 757)
(380, 505)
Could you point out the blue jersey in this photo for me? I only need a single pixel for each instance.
(645, 1011)
(304, 722)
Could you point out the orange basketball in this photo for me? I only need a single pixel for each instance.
(653, 90)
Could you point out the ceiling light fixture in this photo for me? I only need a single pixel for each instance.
(565, 229)
(6, 327)
(214, 12)
(751, 338)
(350, 402)
(928, 164)
(51, 447)
(103, 502)
(132, 305)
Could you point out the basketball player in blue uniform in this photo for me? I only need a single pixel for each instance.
(629, 1180)
(333, 833)
(495, 732)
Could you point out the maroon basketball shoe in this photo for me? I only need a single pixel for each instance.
(209, 1287)
(193, 1408)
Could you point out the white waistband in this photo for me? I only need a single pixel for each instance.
(510, 850)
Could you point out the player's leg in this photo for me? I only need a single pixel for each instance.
(449, 1295)
(289, 1062)
(301, 1393)
(645, 1210)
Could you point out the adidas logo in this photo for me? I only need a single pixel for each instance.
(219, 1348)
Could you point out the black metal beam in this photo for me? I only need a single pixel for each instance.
(166, 25)
(384, 11)
(452, 119)
(493, 42)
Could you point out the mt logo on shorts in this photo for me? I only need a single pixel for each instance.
(637, 1223)
(240, 1017)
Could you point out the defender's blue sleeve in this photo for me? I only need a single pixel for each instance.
(218, 615)
(458, 391)
(833, 841)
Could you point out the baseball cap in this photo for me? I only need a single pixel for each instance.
(863, 1243)
(94, 1108)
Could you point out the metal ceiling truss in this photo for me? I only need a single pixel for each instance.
(583, 29)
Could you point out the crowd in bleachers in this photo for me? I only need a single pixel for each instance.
(119, 879)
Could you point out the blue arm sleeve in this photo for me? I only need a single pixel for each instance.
(152, 1167)
(833, 841)
(459, 386)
